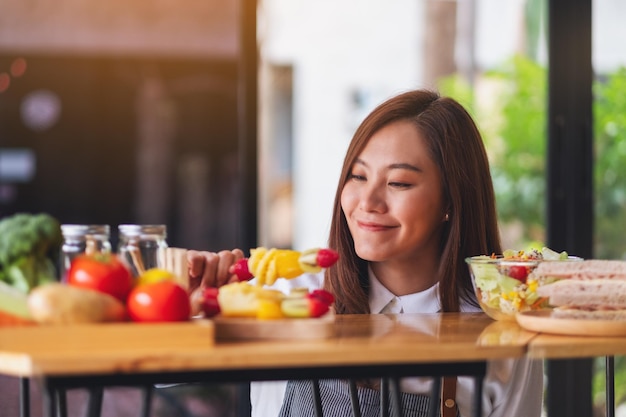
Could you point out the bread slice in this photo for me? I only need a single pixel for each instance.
(586, 269)
(589, 313)
(576, 292)
(593, 289)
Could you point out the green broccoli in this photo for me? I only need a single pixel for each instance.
(30, 246)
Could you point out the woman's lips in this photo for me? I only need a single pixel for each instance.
(373, 227)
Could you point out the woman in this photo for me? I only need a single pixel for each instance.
(414, 199)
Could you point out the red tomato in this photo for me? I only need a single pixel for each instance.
(158, 302)
(104, 273)
(518, 272)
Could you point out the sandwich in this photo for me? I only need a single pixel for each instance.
(591, 289)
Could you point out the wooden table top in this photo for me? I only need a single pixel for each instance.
(548, 346)
(174, 347)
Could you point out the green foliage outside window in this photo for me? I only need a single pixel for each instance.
(514, 130)
(610, 165)
(513, 124)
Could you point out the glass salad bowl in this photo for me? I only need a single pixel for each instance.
(504, 284)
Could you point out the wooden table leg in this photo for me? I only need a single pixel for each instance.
(24, 397)
(94, 408)
(610, 386)
(354, 398)
(396, 400)
(244, 408)
(61, 395)
(49, 398)
(384, 397)
(317, 397)
(147, 400)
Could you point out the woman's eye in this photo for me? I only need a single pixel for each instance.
(399, 184)
(357, 177)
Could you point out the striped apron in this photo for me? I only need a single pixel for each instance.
(335, 396)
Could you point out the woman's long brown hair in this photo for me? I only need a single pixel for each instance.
(457, 148)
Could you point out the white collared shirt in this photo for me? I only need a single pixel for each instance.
(383, 301)
(512, 387)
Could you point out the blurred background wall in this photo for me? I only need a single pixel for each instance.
(122, 112)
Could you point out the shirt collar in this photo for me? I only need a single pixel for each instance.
(426, 301)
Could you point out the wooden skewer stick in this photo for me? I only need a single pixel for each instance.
(176, 263)
(137, 261)
(91, 246)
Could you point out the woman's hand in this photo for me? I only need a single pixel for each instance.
(211, 269)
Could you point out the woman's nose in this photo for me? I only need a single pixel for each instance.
(372, 199)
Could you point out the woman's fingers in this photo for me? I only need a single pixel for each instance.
(195, 261)
(210, 269)
(226, 259)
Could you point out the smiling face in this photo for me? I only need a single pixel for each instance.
(393, 199)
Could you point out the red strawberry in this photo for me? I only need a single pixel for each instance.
(210, 305)
(317, 307)
(326, 257)
(322, 295)
(241, 270)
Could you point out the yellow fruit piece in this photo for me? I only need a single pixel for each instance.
(269, 310)
(155, 275)
(287, 264)
(238, 299)
(267, 265)
(270, 294)
(241, 299)
(255, 257)
(259, 263)
(272, 273)
(298, 292)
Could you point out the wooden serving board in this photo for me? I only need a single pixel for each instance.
(542, 321)
(111, 336)
(231, 328)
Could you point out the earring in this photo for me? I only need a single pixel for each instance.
(446, 217)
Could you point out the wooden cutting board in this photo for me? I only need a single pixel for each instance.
(230, 328)
(542, 321)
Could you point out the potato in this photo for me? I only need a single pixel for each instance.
(65, 304)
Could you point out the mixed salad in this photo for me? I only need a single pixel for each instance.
(505, 285)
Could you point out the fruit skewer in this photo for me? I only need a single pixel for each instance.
(267, 265)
